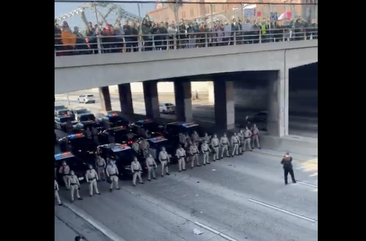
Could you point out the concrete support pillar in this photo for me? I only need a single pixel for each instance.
(224, 104)
(105, 98)
(151, 99)
(278, 104)
(211, 94)
(183, 100)
(125, 98)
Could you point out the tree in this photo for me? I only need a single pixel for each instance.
(175, 7)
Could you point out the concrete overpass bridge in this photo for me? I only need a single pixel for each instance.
(80, 72)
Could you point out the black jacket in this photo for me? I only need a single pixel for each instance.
(287, 162)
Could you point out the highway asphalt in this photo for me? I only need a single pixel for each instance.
(243, 198)
(202, 111)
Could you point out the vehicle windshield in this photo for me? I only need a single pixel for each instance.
(124, 157)
(152, 126)
(81, 111)
(65, 119)
(198, 129)
(60, 107)
(123, 135)
(63, 112)
(87, 117)
(116, 119)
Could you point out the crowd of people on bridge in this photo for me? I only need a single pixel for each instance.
(162, 36)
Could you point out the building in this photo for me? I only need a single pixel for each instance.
(227, 9)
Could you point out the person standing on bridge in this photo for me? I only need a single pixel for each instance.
(287, 167)
(255, 136)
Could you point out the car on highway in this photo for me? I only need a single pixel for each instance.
(123, 155)
(61, 121)
(173, 129)
(59, 107)
(76, 164)
(79, 111)
(153, 128)
(157, 143)
(79, 144)
(86, 99)
(121, 134)
(111, 119)
(166, 108)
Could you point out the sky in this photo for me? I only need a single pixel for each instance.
(66, 7)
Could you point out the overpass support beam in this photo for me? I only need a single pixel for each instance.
(151, 99)
(211, 94)
(224, 104)
(125, 98)
(278, 104)
(105, 98)
(183, 100)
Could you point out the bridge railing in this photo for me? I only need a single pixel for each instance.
(103, 44)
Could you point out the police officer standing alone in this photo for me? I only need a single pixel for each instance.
(205, 149)
(215, 143)
(91, 177)
(100, 164)
(136, 171)
(74, 185)
(247, 136)
(112, 173)
(151, 166)
(181, 154)
(65, 172)
(56, 194)
(255, 136)
(164, 160)
(224, 143)
(235, 144)
(287, 167)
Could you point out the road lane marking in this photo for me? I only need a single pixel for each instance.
(282, 210)
(110, 234)
(214, 231)
(307, 184)
(296, 160)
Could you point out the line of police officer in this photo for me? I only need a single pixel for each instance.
(190, 153)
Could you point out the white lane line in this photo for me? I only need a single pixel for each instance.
(110, 234)
(308, 184)
(214, 231)
(282, 210)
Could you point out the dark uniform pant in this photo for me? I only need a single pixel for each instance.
(286, 172)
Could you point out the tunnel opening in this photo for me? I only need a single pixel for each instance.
(303, 100)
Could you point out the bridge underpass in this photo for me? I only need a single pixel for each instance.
(250, 96)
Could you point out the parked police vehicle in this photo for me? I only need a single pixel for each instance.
(112, 119)
(75, 164)
(147, 128)
(78, 144)
(173, 129)
(61, 122)
(123, 155)
(62, 112)
(78, 111)
(157, 143)
(120, 134)
(86, 120)
(59, 107)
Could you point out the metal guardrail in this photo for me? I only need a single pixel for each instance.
(102, 44)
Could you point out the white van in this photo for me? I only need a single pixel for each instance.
(86, 99)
